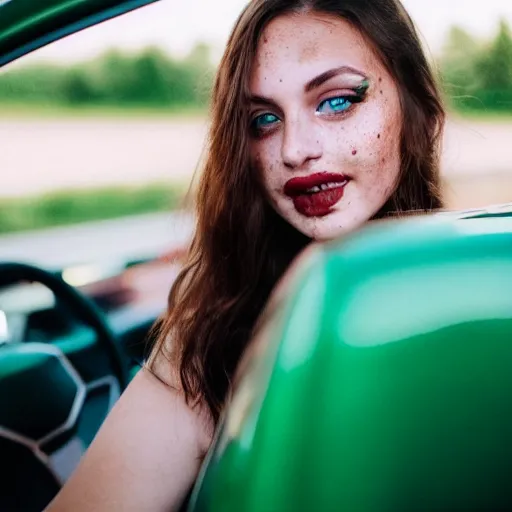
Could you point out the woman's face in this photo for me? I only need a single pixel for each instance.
(325, 124)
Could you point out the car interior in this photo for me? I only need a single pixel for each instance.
(67, 351)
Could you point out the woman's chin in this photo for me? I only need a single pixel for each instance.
(327, 226)
(324, 229)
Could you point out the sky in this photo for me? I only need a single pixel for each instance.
(176, 25)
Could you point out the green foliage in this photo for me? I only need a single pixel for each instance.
(149, 78)
(71, 207)
(457, 61)
(477, 75)
(495, 66)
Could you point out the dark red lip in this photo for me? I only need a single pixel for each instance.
(298, 186)
(319, 203)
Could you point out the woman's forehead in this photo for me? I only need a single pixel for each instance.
(305, 44)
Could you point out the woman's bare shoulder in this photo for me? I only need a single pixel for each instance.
(164, 369)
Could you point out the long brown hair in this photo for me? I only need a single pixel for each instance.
(241, 247)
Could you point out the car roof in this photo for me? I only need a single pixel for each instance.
(26, 25)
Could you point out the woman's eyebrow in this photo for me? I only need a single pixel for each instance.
(261, 100)
(331, 73)
(312, 84)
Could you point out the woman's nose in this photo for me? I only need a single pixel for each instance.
(301, 143)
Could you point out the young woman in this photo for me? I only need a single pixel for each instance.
(325, 115)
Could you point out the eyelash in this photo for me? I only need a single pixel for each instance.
(350, 99)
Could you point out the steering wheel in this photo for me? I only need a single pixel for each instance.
(53, 396)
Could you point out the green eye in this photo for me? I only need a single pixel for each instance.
(338, 104)
(264, 120)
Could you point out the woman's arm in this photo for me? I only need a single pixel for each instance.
(145, 457)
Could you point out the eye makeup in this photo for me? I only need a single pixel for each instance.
(340, 104)
(362, 89)
(342, 91)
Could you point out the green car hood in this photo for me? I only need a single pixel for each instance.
(26, 25)
(380, 379)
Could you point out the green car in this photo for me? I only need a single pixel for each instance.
(379, 381)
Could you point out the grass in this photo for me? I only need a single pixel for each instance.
(75, 206)
(483, 116)
(48, 111)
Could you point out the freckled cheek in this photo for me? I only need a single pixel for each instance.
(339, 146)
(378, 146)
(255, 159)
(377, 163)
(267, 160)
(352, 151)
(358, 135)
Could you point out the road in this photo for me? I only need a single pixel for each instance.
(477, 147)
(107, 243)
(477, 163)
(44, 154)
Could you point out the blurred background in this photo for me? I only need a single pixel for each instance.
(102, 131)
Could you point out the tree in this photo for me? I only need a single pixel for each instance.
(478, 76)
(148, 78)
(76, 88)
(200, 63)
(495, 66)
(457, 63)
(200, 56)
